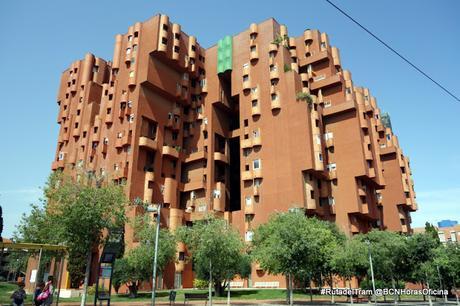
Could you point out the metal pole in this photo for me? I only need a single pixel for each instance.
(157, 235)
(441, 284)
(38, 269)
(372, 270)
(210, 283)
(61, 270)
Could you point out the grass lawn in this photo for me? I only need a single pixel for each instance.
(237, 294)
(6, 289)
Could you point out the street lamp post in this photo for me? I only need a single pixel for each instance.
(156, 210)
(372, 269)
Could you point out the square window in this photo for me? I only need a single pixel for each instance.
(256, 164)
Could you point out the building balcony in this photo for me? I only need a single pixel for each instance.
(247, 84)
(368, 154)
(59, 164)
(274, 74)
(195, 185)
(256, 190)
(304, 77)
(361, 191)
(254, 55)
(255, 110)
(255, 95)
(170, 189)
(104, 148)
(122, 172)
(221, 157)
(256, 141)
(257, 173)
(246, 70)
(170, 151)
(370, 172)
(272, 47)
(275, 104)
(311, 204)
(364, 208)
(196, 156)
(148, 191)
(246, 143)
(219, 201)
(332, 174)
(249, 209)
(320, 82)
(246, 175)
(148, 142)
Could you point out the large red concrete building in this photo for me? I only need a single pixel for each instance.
(259, 122)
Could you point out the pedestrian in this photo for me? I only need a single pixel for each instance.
(19, 295)
(37, 292)
(50, 289)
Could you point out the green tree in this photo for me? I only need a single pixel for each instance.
(293, 245)
(350, 260)
(447, 262)
(137, 266)
(420, 257)
(390, 252)
(217, 251)
(81, 208)
(34, 227)
(431, 230)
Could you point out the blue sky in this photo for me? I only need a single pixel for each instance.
(42, 38)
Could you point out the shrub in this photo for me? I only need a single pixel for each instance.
(303, 96)
(287, 68)
(200, 283)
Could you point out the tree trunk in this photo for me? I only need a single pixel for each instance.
(394, 288)
(132, 290)
(210, 284)
(228, 293)
(351, 295)
(311, 292)
(85, 285)
(332, 289)
(287, 289)
(291, 300)
(218, 288)
(428, 287)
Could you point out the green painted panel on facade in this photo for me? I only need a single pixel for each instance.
(224, 54)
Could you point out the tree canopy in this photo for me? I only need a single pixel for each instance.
(215, 247)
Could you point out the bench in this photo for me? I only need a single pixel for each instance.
(196, 296)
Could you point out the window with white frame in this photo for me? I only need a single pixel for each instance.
(328, 135)
(257, 182)
(318, 139)
(248, 201)
(61, 156)
(216, 193)
(249, 235)
(320, 157)
(128, 50)
(256, 164)
(331, 167)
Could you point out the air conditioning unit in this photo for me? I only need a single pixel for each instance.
(192, 195)
(331, 200)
